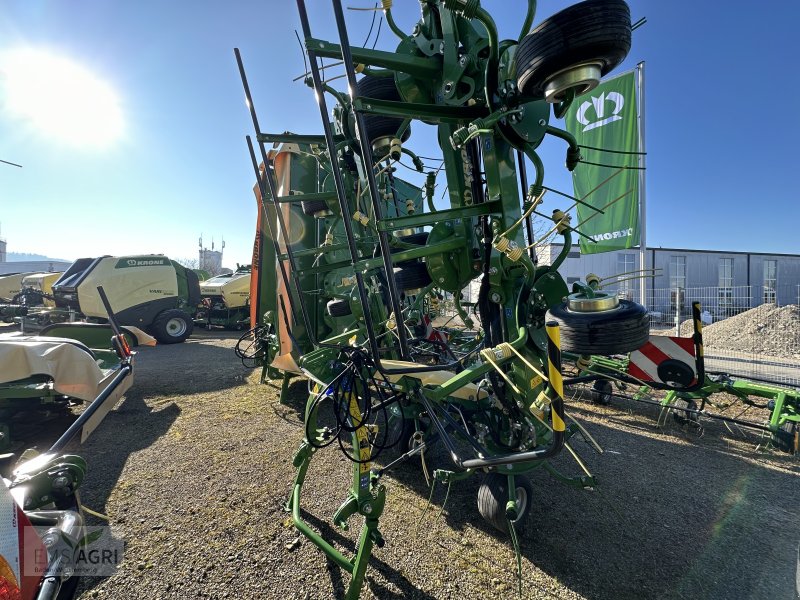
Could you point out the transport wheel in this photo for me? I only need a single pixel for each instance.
(339, 308)
(680, 415)
(379, 126)
(601, 392)
(411, 276)
(172, 326)
(420, 239)
(493, 496)
(573, 49)
(787, 438)
(616, 331)
(315, 208)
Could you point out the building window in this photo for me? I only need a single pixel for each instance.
(573, 255)
(626, 263)
(770, 280)
(677, 283)
(725, 283)
(677, 272)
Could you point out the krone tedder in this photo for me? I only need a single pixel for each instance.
(349, 259)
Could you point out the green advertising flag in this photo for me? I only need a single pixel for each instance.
(606, 118)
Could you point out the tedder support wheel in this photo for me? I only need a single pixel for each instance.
(681, 416)
(339, 308)
(411, 276)
(617, 331)
(602, 392)
(172, 326)
(378, 126)
(493, 497)
(315, 208)
(573, 49)
(787, 438)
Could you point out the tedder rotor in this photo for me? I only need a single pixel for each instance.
(350, 260)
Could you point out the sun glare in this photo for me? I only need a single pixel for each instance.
(59, 97)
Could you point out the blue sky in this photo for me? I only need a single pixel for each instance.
(721, 127)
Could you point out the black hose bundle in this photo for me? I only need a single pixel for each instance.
(252, 346)
(357, 401)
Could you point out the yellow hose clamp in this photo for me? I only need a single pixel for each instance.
(359, 67)
(583, 363)
(561, 220)
(410, 206)
(361, 218)
(395, 148)
(328, 240)
(391, 323)
(387, 4)
(593, 279)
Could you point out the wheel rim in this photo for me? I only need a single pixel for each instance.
(521, 497)
(176, 327)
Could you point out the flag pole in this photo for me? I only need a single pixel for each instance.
(642, 182)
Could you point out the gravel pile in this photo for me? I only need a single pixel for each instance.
(767, 330)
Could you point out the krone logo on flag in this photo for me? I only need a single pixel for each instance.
(599, 104)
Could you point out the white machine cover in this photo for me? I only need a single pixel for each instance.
(73, 370)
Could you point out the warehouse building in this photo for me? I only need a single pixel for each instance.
(725, 282)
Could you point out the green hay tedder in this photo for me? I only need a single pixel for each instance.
(350, 261)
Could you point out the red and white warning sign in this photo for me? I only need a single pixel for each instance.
(664, 359)
(21, 551)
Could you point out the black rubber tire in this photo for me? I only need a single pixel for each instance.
(681, 416)
(493, 496)
(618, 331)
(787, 438)
(411, 276)
(166, 330)
(378, 126)
(595, 30)
(420, 239)
(339, 308)
(312, 207)
(601, 392)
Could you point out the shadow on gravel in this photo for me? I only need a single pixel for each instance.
(131, 427)
(667, 521)
(339, 583)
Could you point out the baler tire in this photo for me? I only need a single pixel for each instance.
(591, 31)
(339, 308)
(379, 126)
(617, 331)
(787, 438)
(162, 327)
(312, 207)
(411, 276)
(602, 392)
(493, 496)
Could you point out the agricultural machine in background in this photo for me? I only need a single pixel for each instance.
(20, 292)
(349, 258)
(151, 292)
(225, 300)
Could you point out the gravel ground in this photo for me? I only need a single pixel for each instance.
(194, 465)
(767, 330)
